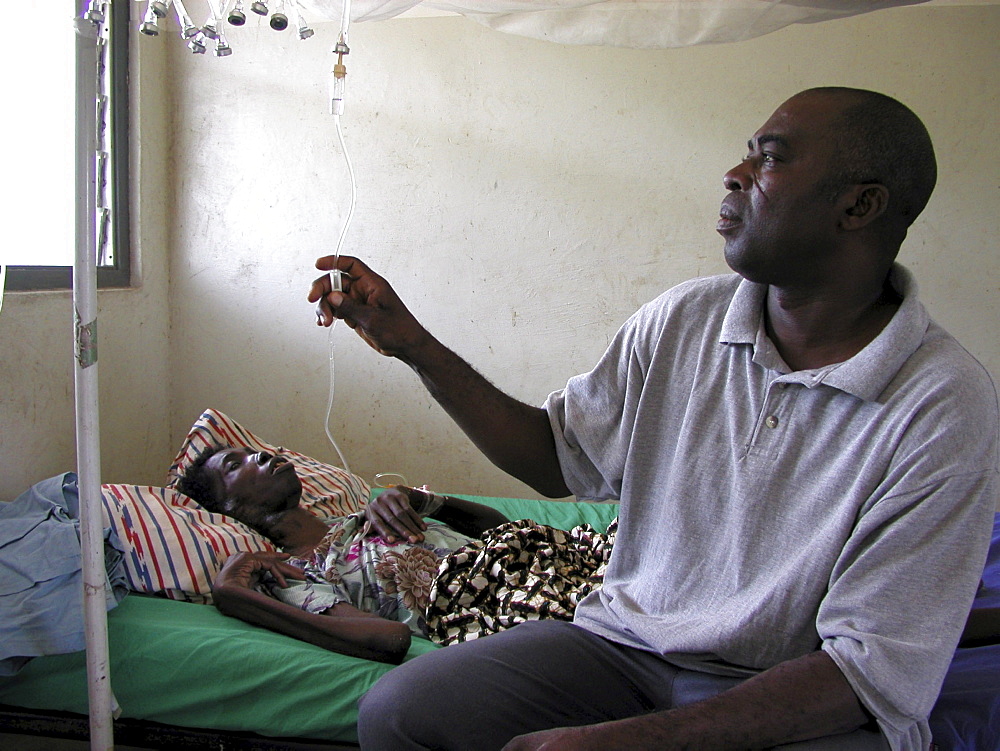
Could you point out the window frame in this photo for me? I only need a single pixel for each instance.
(28, 278)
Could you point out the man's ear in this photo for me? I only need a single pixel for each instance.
(863, 204)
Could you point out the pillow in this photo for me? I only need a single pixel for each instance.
(172, 546)
(327, 491)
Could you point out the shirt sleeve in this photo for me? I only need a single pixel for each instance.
(592, 418)
(902, 587)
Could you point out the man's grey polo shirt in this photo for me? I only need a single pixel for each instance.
(766, 514)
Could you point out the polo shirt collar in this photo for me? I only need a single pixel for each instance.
(868, 373)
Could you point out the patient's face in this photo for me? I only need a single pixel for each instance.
(255, 483)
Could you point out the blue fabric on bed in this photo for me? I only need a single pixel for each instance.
(41, 584)
(967, 714)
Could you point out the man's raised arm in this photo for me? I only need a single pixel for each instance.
(515, 436)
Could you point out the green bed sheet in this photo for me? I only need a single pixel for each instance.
(188, 665)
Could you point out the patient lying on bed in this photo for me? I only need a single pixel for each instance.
(357, 584)
(363, 583)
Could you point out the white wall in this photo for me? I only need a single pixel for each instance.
(37, 422)
(523, 197)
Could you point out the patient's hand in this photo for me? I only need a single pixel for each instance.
(369, 305)
(244, 570)
(393, 517)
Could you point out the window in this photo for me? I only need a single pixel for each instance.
(39, 243)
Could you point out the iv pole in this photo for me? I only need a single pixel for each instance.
(88, 26)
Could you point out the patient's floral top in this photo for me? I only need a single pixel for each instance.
(392, 580)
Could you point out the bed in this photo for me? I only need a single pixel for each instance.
(186, 665)
(185, 676)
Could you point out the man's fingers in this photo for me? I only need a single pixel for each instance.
(349, 265)
(319, 288)
(335, 304)
(326, 263)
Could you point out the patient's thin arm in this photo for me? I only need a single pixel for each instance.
(370, 638)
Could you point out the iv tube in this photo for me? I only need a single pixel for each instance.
(340, 242)
(345, 20)
(338, 75)
(329, 404)
(340, 245)
(354, 189)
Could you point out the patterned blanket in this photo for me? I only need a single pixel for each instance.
(516, 572)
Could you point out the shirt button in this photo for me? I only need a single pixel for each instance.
(771, 421)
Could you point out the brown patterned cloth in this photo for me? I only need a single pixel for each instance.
(516, 572)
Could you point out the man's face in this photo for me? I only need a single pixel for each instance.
(780, 220)
(254, 484)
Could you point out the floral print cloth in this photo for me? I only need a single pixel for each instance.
(392, 580)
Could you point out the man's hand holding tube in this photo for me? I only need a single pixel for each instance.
(367, 304)
(515, 436)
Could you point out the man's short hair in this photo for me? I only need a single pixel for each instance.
(881, 140)
(198, 482)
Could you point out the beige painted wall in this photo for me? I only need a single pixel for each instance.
(37, 422)
(523, 197)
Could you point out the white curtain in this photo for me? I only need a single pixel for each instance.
(619, 23)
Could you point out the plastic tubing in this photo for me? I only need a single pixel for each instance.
(345, 20)
(344, 24)
(354, 189)
(329, 404)
(336, 256)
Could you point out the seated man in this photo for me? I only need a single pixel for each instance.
(367, 575)
(806, 466)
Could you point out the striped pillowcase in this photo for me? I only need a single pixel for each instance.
(173, 547)
(327, 491)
